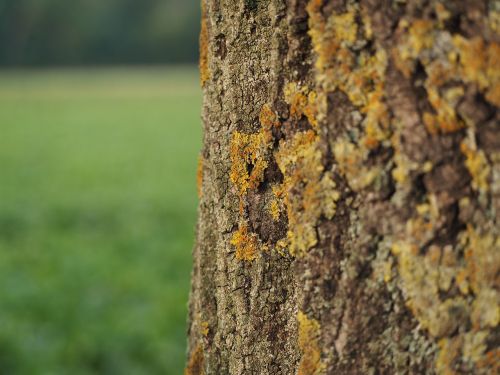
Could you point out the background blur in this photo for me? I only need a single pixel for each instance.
(62, 32)
(99, 136)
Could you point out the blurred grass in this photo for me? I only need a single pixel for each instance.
(97, 212)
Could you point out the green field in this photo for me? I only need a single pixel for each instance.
(97, 214)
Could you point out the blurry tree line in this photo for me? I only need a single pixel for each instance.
(75, 32)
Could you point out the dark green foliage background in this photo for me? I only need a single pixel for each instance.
(77, 32)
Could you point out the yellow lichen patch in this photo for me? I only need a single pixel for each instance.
(309, 332)
(350, 159)
(421, 34)
(204, 328)
(387, 271)
(279, 191)
(446, 119)
(479, 64)
(317, 28)
(482, 256)
(199, 176)
(274, 209)
(268, 118)
(421, 279)
(246, 243)
(204, 37)
(416, 45)
(249, 150)
(416, 36)
(345, 27)
(424, 276)
(301, 146)
(281, 247)
(302, 102)
(299, 161)
(494, 20)
(447, 59)
(195, 364)
(477, 165)
(276, 204)
(442, 13)
(367, 24)
(474, 346)
(360, 75)
(449, 350)
(308, 191)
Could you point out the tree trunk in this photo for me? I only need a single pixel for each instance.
(349, 188)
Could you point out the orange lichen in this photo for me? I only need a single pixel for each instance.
(250, 155)
(477, 165)
(490, 361)
(441, 284)
(482, 256)
(425, 276)
(199, 176)
(195, 364)
(302, 102)
(204, 40)
(449, 350)
(359, 74)
(268, 118)
(204, 329)
(279, 191)
(350, 160)
(420, 36)
(417, 36)
(317, 28)
(274, 209)
(447, 59)
(309, 332)
(246, 243)
(479, 64)
(308, 191)
(249, 150)
(446, 119)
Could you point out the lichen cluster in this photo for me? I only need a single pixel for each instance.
(451, 289)
(436, 278)
(250, 155)
(471, 309)
(309, 190)
(450, 61)
(246, 243)
(302, 102)
(346, 62)
(309, 333)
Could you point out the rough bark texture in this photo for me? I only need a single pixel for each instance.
(349, 188)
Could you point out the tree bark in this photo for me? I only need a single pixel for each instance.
(349, 188)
